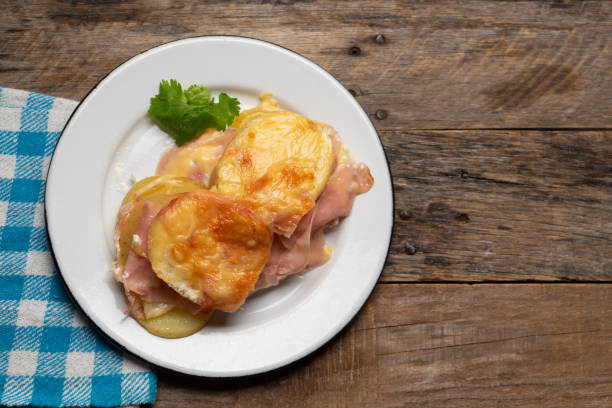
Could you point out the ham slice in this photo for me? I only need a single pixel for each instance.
(197, 159)
(288, 256)
(336, 201)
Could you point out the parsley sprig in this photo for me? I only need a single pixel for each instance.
(185, 113)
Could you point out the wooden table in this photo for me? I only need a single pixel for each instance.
(496, 118)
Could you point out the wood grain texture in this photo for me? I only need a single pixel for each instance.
(538, 345)
(442, 64)
(472, 205)
(499, 205)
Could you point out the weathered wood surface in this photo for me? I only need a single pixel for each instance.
(485, 205)
(442, 64)
(444, 346)
(475, 205)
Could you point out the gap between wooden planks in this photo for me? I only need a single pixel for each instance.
(443, 345)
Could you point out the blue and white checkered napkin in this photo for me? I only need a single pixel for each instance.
(48, 356)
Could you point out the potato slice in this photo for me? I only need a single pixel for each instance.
(280, 160)
(175, 323)
(161, 185)
(210, 248)
(160, 191)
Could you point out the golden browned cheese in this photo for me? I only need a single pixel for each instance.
(210, 248)
(278, 159)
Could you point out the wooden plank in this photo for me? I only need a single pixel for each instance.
(441, 64)
(536, 345)
(501, 205)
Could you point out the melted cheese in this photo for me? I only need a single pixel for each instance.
(196, 160)
(280, 160)
(210, 248)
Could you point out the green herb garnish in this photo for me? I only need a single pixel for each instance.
(184, 114)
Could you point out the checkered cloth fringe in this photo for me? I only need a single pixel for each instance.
(48, 355)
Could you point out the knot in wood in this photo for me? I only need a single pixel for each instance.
(381, 114)
(463, 217)
(405, 214)
(409, 249)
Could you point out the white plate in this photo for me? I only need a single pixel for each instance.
(109, 137)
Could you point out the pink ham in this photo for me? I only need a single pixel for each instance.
(336, 201)
(288, 256)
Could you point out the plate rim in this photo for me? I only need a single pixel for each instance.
(158, 367)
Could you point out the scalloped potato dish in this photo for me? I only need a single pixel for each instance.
(231, 212)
